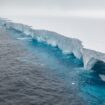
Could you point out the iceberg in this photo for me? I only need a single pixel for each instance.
(67, 45)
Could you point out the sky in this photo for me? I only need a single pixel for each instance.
(82, 19)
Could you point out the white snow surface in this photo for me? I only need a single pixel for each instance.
(67, 45)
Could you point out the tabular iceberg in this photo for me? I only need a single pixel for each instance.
(67, 45)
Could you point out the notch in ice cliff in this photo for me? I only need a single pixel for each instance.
(67, 45)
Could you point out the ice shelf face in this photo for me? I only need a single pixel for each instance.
(67, 45)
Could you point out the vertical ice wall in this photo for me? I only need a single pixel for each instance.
(67, 45)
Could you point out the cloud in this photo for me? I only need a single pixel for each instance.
(53, 13)
(65, 8)
(58, 4)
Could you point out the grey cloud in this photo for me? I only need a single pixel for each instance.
(58, 4)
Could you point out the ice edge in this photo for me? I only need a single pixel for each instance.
(67, 45)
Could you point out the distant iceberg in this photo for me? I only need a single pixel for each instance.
(73, 46)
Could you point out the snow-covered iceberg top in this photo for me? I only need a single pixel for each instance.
(67, 45)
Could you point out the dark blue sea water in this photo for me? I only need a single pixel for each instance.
(57, 79)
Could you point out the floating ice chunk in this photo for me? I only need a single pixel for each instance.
(73, 83)
(24, 38)
(102, 77)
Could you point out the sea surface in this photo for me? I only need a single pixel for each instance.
(34, 73)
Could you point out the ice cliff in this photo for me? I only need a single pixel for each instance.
(67, 45)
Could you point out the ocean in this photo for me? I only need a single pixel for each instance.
(34, 73)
